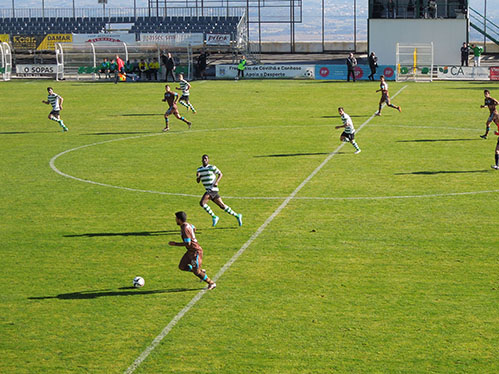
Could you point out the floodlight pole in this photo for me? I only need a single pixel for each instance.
(74, 14)
(43, 8)
(355, 25)
(323, 26)
(13, 9)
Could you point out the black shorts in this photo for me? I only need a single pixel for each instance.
(212, 194)
(54, 112)
(184, 97)
(348, 136)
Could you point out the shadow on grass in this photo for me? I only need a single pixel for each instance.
(437, 140)
(295, 154)
(443, 172)
(125, 291)
(133, 233)
(25, 132)
(139, 114)
(121, 133)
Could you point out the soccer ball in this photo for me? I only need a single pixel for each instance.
(138, 282)
(309, 73)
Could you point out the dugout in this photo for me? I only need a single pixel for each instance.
(82, 61)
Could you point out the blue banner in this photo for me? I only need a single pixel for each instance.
(339, 72)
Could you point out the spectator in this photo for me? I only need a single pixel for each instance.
(113, 67)
(391, 9)
(465, 51)
(351, 64)
(377, 9)
(202, 65)
(153, 69)
(432, 9)
(241, 67)
(120, 68)
(477, 53)
(170, 67)
(411, 10)
(128, 67)
(104, 68)
(373, 64)
(143, 68)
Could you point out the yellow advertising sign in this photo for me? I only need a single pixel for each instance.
(4, 38)
(48, 43)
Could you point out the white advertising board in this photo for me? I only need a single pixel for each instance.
(464, 73)
(111, 38)
(217, 39)
(267, 71)
(194, 39)
(35, 70)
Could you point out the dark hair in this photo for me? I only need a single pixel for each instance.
(205, 155)
(486, 91)
(181, 216)
(49, 88)
(341, 108)
(382, 76)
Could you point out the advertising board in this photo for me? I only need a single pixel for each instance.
(109, 39)
(455, 72)
(339, 72)
(271, 71)
(38, 70)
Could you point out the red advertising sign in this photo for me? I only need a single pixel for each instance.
(494, 73)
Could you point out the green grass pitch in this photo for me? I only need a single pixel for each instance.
(383, 262)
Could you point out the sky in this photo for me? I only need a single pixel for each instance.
(338, 17)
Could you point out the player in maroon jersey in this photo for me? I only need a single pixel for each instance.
(192, 260)
(171, 98)
(490, 103)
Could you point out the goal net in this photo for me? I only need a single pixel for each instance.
(414, 62)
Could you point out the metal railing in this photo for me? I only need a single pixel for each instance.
(484, 26)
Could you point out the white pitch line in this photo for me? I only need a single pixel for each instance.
(229, 263)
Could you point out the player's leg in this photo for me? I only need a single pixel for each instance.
(197, 263)
(227, 209)
(183, 102)
(167, 121)
(487, 127)
(354, 143)
(190, 105)
(204, 204)
(496, 156)
(182, 118)
(380, 106)
(185, 262)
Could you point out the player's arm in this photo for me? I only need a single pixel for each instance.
(176, 244)
(198, 177)
(219, 176)
(60, 101)
(45, 102)
(339, 127)
(176, 98)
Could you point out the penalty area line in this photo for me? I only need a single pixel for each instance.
(234, 258)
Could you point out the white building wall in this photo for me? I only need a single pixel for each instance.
(447, 36)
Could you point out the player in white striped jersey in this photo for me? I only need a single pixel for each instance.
(210, 175)
(348, 135)
(185, 87)
(56, 101)
(385, 97)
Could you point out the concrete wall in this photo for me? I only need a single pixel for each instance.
(447, 36)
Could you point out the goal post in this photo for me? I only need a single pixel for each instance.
(414, 62)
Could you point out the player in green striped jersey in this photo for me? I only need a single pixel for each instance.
(210, 175)
(56, 101)
(348, 135)
(185, 87)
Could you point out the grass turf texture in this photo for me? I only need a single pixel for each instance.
(344, 286)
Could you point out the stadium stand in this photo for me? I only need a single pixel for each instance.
(43, 26)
